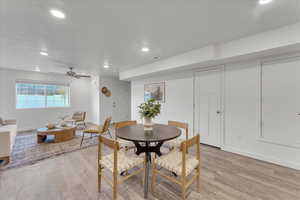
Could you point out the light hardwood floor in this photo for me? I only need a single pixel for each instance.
(224, 176)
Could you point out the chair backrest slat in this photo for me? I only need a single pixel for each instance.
(178, 124)
(125, 123)
(182, 125)
(190, 142)
(106, 125)
(109, 142)
(84, 116)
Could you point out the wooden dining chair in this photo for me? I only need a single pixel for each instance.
(182, 163)
(116, 162)
(176, 142)
(96, 130)
(123, 143)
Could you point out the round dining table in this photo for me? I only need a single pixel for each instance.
(148, 142)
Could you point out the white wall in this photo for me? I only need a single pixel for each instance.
(242, 111)
(94, 102)
(242, 117)
(81, 95)
(179, 98)
(118, 104)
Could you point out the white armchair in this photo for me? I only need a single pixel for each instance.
(8, 132)
(76, 119)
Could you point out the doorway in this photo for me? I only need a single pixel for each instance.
(208, 111)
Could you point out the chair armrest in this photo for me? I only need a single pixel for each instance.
(65, 117)
(5, 143)
(69, 120)
(10, 122)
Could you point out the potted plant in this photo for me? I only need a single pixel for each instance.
(148, 111)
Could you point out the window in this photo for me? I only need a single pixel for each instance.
(41, 95)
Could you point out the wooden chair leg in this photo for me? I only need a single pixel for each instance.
(82, 139)
(183, 188)
(198, 179)
(115, 187)
(153, 181)
(183, 194)
(99, 178)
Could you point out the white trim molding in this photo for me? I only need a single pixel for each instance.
(269, 159)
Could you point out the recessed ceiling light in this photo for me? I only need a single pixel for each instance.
(106, 66)
(57, 13)
(145, 49)
(44, 53)
(37, 69)
(262, 2)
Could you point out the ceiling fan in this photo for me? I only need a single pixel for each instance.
(73, 74)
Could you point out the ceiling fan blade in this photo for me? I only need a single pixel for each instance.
(84, 76)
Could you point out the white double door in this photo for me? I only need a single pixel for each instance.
(208, 106)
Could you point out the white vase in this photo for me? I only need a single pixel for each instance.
(148, 125)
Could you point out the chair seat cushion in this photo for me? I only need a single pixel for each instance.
(173, 162)
(124, 162)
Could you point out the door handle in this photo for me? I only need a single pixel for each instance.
(219, 112)
(298, 114)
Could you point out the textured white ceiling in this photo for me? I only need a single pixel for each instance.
(96, 31)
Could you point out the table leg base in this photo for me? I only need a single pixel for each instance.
(155, 149)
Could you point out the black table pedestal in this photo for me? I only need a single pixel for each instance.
(147, 149)
(142, 139)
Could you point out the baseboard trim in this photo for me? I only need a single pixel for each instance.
(263, 158)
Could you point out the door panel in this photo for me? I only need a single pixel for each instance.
(281, 103)
(118, 104)
(208, 106)
(121, 103)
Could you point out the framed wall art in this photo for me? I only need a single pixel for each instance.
(155, 91)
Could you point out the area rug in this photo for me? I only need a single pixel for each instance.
(27, 151)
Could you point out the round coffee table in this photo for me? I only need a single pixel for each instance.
(61, 134)
(158, 136)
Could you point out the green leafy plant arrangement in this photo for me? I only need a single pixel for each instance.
(150, 109)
